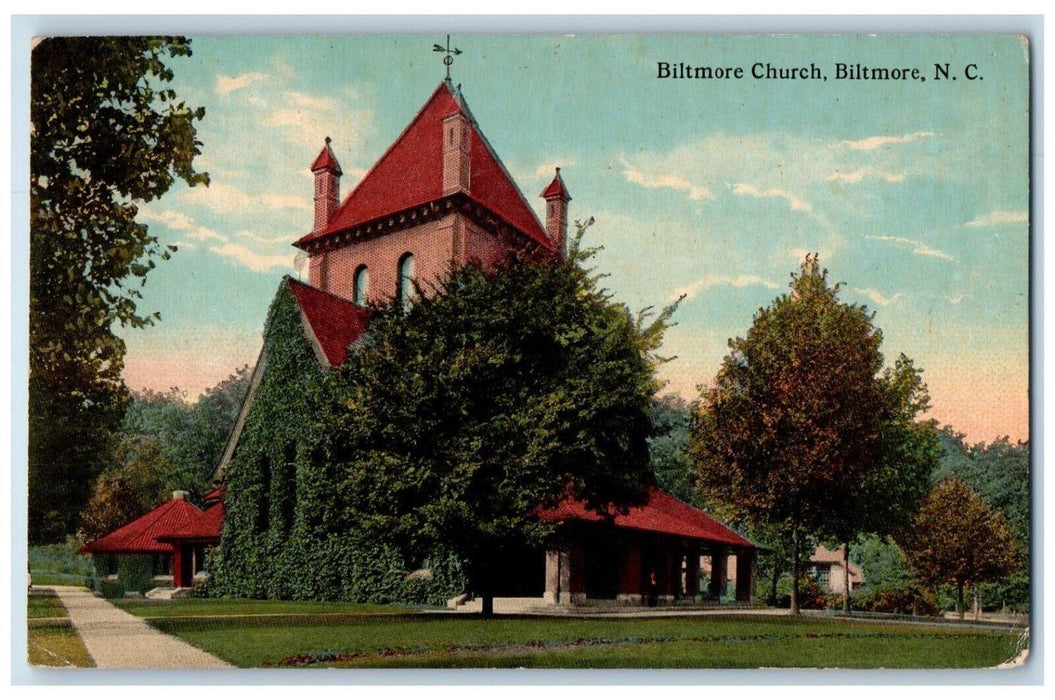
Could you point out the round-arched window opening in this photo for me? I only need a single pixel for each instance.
(361, 285)
(405, 280)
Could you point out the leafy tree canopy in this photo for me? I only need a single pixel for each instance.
(496, 393)
(668, 448)
(998, 472)
(957, 539)
(801, 427)
(165, 444)
(106, 134)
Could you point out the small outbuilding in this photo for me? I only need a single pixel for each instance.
(163, 548)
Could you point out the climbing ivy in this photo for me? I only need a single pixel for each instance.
(285, 535)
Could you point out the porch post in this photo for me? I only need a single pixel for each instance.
(177, 566)
(692, 572)
(719, 557)
(574, 563)
(630, 573)
(745, 575)
(552, 594)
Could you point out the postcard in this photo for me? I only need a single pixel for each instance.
(697, 351)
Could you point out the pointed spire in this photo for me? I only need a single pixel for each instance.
(327, 186)
(557, 198)
(326, 160)
(556, 189)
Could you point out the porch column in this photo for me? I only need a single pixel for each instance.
(630, 574)
(719, 556)
(692, 572)
(576, 568)
(565, 576)
(745, 575)
(671, 576)
(552, 594)
(180, 567)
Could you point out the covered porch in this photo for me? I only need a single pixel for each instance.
(661, 553)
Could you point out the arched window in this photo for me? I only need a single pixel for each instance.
(361, 285)
(405, 280)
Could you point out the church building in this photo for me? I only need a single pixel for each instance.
(437, 199)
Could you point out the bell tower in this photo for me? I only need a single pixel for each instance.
(557, 198)
(327, 186)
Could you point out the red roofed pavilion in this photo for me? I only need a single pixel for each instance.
(176, 529)
(651, 552)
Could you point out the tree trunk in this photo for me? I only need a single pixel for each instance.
(487, 604)
(846, 578)
(977, 605)
(795, 572)
(776, 580)
(959, 599)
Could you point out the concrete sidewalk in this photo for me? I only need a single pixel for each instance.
(116, 639)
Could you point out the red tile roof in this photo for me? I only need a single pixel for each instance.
(556, 189)
(217, 494)
(335, 322)
(141, 536)
(660, 513)
(206, 528)
(326, 160)
(410, 174)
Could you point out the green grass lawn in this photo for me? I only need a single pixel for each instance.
(44, 604)
(211, 607)
(50, 638)
(248, 634)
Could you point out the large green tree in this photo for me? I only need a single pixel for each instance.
(495, 394)
(107, 134)
(801, 423)
(957, 539)
(999, 472)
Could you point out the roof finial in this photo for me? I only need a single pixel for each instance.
(449, 58)
(327, 140)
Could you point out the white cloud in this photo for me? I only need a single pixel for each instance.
(227, 84)
(918, 247)
(877, 297)
(254, 261)
(257, 238)
(923, 249)
(175, 220)
(873, 142)
(957, 298)
(707, 281)
(223, 198)
(673, 182)
(855, 176)
(796, 203)
(206, 234)
(999, 218)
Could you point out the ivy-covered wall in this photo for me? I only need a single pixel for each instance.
(285, 534)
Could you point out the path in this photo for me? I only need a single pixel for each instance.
(116, 639)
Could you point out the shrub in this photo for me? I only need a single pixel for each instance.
(811, 595)
(903, 601)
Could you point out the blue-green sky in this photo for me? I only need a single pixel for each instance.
(915, 193)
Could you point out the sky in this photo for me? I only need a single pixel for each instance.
(915, 193)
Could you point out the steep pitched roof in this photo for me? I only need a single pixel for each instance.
(141, 536)
(660, 513)
(217, 494)
(556, 188)
(823, 555)
(334, 322)
(326, 160)
(206, 528)
(410, 174)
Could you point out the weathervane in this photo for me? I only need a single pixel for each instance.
(449, 58)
